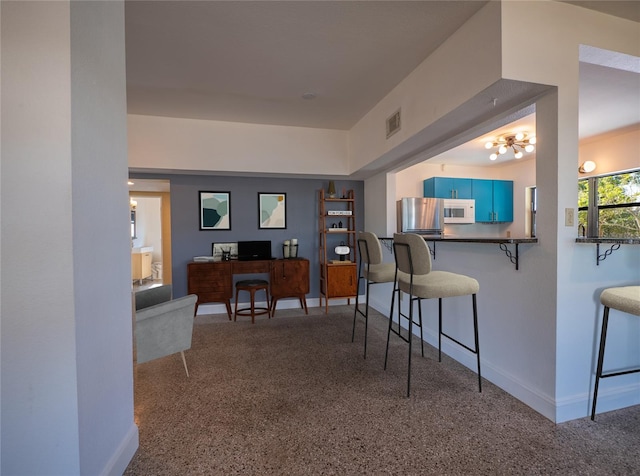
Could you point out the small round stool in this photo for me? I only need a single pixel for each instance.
(252, 285)
(623, 299)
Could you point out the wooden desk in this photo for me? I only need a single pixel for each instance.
(213, 281)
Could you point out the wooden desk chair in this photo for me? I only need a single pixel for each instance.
(252, 286)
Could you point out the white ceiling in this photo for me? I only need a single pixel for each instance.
(251, 61)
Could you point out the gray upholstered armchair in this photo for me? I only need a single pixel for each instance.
(163, 326)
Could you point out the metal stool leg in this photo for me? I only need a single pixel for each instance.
(476, 338)
(420, 320)
(439, 329)
(355, 311)
(603, 338)
(366, 319)
(393, 296)
(235, 309)
(410, 344)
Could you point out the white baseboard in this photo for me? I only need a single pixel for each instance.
(121, 458)
(541, 403)
(613, 398)
(558, 411)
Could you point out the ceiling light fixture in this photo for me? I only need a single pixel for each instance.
(309, 96)
(519, 142)
(586, 167)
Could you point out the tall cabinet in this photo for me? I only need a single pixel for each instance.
(336, 225)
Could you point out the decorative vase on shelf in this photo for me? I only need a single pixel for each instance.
(331, 191)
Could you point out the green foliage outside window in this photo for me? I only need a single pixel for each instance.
(583, 205)
(618, 204)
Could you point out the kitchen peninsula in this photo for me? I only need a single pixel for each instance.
(502, 242)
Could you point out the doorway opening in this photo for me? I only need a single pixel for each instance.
(150, 209)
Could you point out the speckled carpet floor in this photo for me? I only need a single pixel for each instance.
(293, 395)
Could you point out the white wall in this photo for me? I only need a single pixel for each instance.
(39, 397)
(553, 59)
(101, 243)
(1, 150)
(67, 396)
(149, 225)
(379, 197)
(612, 152)
(198, 145)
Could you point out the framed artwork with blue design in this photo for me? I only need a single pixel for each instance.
(215, 210)
(272, 210)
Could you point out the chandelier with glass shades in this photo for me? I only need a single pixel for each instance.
(518, 142)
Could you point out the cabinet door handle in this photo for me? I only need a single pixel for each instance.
(496, 216)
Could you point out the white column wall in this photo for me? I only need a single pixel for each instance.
(379, 195)
(101, 243)
(191, 144)
(67, 399)
(0, 237)
(579, 280)
(39, 392)
(539, 324)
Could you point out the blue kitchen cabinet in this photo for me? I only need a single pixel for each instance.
(447, 187)
(503, 200)
(483, 195)
(494, 200)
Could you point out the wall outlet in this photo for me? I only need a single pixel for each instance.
(569, 217)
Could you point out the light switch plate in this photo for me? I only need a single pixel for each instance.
(568, 217)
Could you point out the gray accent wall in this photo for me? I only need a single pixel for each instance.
(302, 217)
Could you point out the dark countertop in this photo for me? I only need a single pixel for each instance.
(503, 242)
(477, 240)
(621, 241)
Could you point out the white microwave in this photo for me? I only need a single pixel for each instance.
(459, 210)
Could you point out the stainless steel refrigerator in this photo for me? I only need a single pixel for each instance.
(424, 216)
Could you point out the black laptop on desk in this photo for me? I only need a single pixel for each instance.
(254, 250)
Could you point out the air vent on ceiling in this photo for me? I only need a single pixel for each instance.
(393, 123)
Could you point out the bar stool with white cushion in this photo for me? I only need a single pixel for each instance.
(373, 271)
(624, 299)
(415, 277)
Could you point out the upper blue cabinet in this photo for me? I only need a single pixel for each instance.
(447, 187)
(494, 198)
